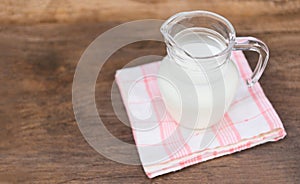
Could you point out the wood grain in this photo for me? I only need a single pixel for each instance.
(40, 140)
(37, 11)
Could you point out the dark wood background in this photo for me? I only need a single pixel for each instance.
(40, 45)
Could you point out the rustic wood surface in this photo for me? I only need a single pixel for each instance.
(40, 140)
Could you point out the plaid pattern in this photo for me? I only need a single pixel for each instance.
(163, 147)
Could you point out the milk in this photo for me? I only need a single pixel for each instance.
(197, 92)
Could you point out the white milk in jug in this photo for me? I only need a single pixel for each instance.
(198, 90)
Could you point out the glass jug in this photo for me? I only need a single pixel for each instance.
(197, 79)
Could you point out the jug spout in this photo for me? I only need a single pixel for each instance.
(165, 29)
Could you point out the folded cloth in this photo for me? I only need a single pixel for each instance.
(164, 147)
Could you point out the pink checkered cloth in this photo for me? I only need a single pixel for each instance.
(250, 121)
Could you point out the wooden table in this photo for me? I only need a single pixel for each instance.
(40, 140)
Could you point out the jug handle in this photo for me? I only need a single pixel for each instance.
(254, 44)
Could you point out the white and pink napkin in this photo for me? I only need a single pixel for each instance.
(165, 147)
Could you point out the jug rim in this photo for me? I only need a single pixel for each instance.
(180, 16)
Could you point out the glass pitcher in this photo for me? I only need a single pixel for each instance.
(197, 79)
